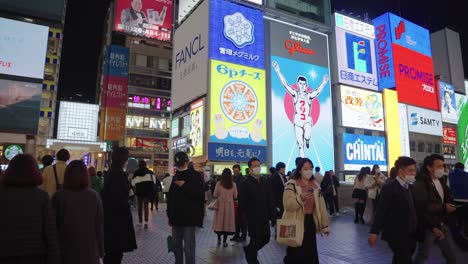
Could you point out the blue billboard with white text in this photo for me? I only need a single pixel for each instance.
(236, 34)
(361, 151)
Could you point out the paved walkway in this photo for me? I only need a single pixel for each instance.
(346, 244)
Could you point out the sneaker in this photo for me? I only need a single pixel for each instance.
(225, 244)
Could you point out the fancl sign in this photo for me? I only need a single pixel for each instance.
(362, 150)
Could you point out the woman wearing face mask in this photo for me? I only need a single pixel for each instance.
(303, 200)
(374, 183)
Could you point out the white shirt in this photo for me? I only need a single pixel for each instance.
(439, 188)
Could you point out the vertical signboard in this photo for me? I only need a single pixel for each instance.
(197, 110)
(190, 60)
(146, 18)
(361, 150)
(448, 103)
(236, 34)
(392, 122)
(463, 129)
(238, 100)
(362, 109)
(115, 93)
(450, 136)
(355, 52)
(404, 130)
(300, 96)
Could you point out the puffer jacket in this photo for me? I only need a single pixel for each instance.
(294, 207)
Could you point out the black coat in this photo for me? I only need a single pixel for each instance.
(185, 204)
(119, 235)
(143, 180)
(326, 185)
(277, 186)
(393, 213)
(257, 201)
(429, 204)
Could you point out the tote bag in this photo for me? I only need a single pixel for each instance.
(289, 231)
(213, 205)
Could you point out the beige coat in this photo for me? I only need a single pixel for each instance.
(294, 207)
(50, 185)
(225, 218)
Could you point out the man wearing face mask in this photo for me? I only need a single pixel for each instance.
(434, 203)
(396, 214)
(257, 202)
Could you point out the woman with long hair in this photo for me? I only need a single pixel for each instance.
(360, 195)
(303, 200)
(225, 192)
(27, 227)
(79, 217)
(374, 183)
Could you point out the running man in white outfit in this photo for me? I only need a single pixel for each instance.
(302, 104)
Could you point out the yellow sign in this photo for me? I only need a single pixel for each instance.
(392, 122)
(238, 104)
(196, 126)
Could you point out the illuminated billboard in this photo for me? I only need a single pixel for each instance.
(146, 18)
(300, 96)
(355, 53)
(197, 110)
(450, 136)
(236, 34)
(448, 103)
(424, 121)
(146, 122)
(414, 76)
(404, 130)
(391, 29)
(175, 127)
(46, 9)
(463, 130)
(19, 106)
(23, 48)
(190, 60)
(149, 102)
(362, 109)
(392, 123)
(78, 121)
(361, 150)
(238, 114)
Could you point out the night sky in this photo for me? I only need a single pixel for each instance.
(84, 24)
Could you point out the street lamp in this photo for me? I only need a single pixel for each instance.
(100, 160)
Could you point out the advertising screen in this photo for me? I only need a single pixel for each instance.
(356, 57)
(148, 102)
(450, 136)
(190, 60)
(237, 153)
(236, 34)
(22, 48)
(354, 26)
(463, 130)
(197, 110)
(78, 121)
(424, 121)
(300, 96)
(448, 103)
(19, 106)
(146, 18)
(362, 150)
(175, 127)
(114, 123)
(392, 123)
(414, 76)
(362, 109)
(238, 114)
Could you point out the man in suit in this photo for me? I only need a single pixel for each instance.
(277, 182)
(396, 213)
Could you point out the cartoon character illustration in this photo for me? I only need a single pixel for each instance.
(256, 134)
(220, 132)
(302, 106)
(373, 108)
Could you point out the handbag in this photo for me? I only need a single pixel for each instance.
(213, 205)
(290, 232)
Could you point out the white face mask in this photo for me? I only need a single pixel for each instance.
(439, 173)
(256, 171)
(409, 179)
(307, 174)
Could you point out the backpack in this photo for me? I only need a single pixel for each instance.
(58, 186)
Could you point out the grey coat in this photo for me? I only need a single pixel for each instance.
(80, 225)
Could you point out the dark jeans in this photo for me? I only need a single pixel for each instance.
(184, 243)
(241, 224)
(113, 258)
(308, 250)
(403, 250)
(330, 200)
(257, 241)
(462, 217)
(445, 245)
(155, 201)
(143, 205)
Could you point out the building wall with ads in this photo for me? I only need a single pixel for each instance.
(300, 94)
(190, 59)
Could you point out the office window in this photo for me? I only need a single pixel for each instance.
(429, 147)
(141, 60)
(437, 148)
(163, 65)
(421, 147)
(412, 145)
